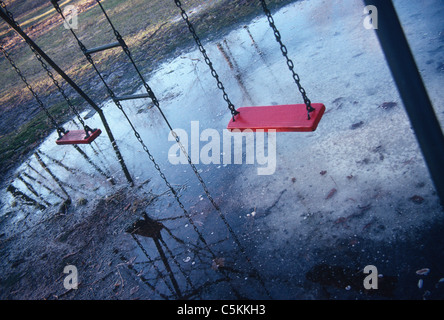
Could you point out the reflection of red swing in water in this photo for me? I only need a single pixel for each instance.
(282, 118)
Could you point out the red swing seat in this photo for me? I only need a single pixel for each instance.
(78, 137)
(282, 118)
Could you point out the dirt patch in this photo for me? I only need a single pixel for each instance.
(91, 237)
(155, 34)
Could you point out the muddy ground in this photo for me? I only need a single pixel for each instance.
(91, 237)
(354, 193)
(153, 33)
(37, 248)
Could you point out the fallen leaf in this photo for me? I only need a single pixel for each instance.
(134, 290)
(331, 193)
(341, 220)
(417, 199)
(423, 272)
(217, 263)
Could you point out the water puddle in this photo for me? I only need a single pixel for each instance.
(338, 199)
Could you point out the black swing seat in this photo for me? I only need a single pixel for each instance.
(78, 137)
(282, 118)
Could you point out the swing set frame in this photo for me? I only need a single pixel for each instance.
(402, 64)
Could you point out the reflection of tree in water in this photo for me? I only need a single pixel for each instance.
(151, 229)
(185, 282)
(234, 67)
(209, 266)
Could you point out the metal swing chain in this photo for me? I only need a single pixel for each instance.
(137, 135)
(174, 134)
(49, 73)
(231, 106)
(86, 128)
(220, 85)
(157, 104)
(3, 5)
(290, 63)
(155, 101)
(59, 129)
(234, 112)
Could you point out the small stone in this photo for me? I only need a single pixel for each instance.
(388, 105)
(420, 283)
(357, 125)
(417, 199)
(82, 202)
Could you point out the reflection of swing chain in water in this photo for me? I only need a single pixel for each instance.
(159, 273)
(152, 229)
(232, 64)
(71, 170)
(51, 191)
(156, 103)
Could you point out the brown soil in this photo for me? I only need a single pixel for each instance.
(153, 36)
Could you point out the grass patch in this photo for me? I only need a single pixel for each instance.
(152, 29)
(24, 139)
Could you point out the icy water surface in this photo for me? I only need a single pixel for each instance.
(354, 193)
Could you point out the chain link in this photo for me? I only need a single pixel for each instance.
(207, 60)
(136, 133)
(60, 130)
(157, 104)
(290, 63)
(62, 92)
(234, 112)
(50, 74)
(3, 5)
